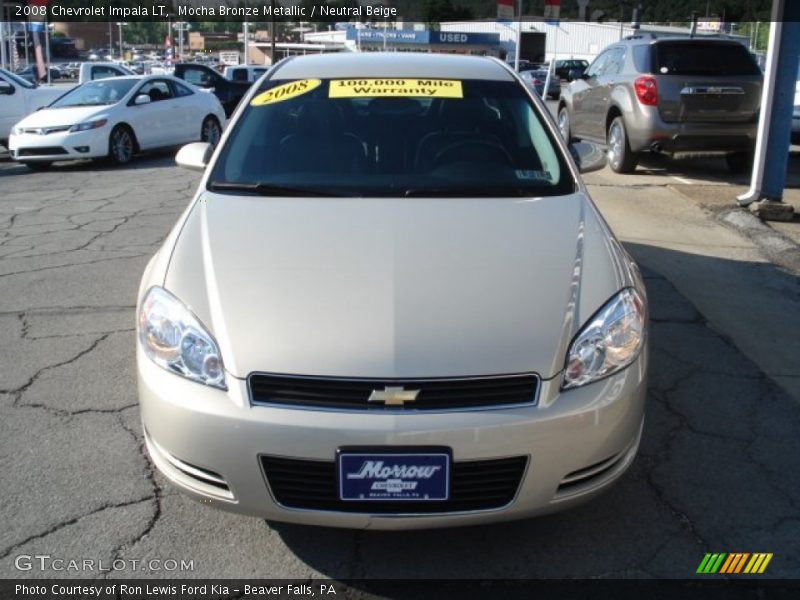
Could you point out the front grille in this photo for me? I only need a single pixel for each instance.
(353, 394)
(474, 485)
(42, 151)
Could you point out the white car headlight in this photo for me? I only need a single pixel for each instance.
(17, 130)
(173, 338)
(88, 125)
(609, 342)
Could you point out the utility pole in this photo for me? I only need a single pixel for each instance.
(3, 57)
(245, 35)
(519, 36)
(272, 34)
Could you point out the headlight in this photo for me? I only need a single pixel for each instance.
(609, 342)
(88, 125)
(17, 130)
(174, 339)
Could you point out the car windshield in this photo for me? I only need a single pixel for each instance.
(16, 79)
(391, 137)
(701, 58)
(96, 93)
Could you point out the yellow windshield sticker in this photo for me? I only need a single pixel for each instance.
(399, 88)
(287, 91)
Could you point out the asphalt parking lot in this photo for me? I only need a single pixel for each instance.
(718, 470)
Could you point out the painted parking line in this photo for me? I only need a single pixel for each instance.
(682, 180)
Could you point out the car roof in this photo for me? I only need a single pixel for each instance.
(391, 64)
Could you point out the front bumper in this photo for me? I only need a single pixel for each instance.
(209, 443)
(31, 147)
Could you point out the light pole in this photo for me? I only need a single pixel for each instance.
(121, 51)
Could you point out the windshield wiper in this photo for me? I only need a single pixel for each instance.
(267, 189)
(466, 192)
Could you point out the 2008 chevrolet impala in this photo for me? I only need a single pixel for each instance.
(392, 304)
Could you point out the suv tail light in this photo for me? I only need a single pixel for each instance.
(646, 90)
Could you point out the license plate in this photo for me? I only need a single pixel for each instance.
(392, 477)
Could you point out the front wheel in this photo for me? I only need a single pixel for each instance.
(621, 158)
(564, 124)
(210, 132)
(121, 145)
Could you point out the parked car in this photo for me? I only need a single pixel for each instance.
(670, 95)
(115, 118)
(571, 69)
(18, 98)
(524, 65)
(372, 314)
(248, 73)
(229, 92)
(537, 79)
(70, 70)
(30, 73)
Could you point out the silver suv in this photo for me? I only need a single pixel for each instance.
(675, 95)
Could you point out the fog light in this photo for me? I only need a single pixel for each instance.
(82, 149)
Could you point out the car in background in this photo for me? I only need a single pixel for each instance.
(70, 70)
(228, 92)
(571, 69)
(249, 73)
(672, 95)
(18, 98)
(524, 65)
(115, 118)
(30, 73)
(392, 304)
(536, 80)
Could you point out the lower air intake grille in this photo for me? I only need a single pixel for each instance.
(43, 151)
(475, 485)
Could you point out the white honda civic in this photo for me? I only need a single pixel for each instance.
(116, 118)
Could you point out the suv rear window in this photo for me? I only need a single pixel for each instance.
(699, 58)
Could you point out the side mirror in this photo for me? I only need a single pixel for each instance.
(142, 99)
(194, 156)
(6, 89)
(589, 157)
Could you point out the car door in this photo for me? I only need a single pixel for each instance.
(582, 90)
(190, 113)
(154, 123)
(12, 106)
(600, 96)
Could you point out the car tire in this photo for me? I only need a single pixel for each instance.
(621, 158)
(211, 131)
(564, 124)
(121, 145)
(740, 162)
(38, 165)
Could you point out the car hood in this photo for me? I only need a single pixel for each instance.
(53, 117)
(395, 287)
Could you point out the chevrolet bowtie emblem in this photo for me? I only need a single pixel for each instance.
(393, 396)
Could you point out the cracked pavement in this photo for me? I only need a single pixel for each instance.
(718, 469)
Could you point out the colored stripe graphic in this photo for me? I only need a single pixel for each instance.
(734, 563)
(711, 563)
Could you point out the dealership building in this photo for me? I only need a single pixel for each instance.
(540, 40)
